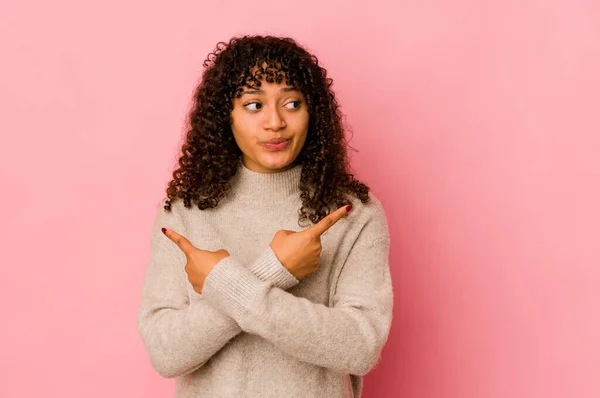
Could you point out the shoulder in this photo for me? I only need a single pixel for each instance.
(370, 217)
(372, 209)
(176, 219)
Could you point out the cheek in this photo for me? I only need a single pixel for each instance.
(302, 127)
(301, 142)
(241, 131)
(305, 118)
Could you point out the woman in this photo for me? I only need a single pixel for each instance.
(270, 277)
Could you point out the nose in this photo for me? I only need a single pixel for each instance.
(273, 120)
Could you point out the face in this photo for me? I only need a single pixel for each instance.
(270, 125)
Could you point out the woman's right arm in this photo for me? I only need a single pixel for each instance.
(179, 335)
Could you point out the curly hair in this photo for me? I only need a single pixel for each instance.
(210, 156)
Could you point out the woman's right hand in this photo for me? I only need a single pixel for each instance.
(300, 252)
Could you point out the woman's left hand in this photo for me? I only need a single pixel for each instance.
(199, 262)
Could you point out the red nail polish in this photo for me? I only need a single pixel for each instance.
(348, 208)
(164, 230)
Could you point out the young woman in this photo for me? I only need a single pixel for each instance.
(268, 272)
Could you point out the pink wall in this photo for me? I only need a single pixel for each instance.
(477, 124)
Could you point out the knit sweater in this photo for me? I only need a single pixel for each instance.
(255, 330)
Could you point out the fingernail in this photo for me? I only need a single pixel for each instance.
(348, 208)
(164, 230)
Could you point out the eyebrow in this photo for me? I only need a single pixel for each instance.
(260, 91)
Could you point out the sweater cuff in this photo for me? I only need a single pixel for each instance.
(233, 288)
(268, 268)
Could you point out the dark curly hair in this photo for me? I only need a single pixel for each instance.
(210, 156)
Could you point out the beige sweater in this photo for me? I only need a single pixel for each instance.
(256, 331)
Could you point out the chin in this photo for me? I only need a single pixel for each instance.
(276, 164)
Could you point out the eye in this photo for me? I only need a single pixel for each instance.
(253, 106)
(296, 103)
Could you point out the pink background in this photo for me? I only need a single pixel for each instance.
(477, 125)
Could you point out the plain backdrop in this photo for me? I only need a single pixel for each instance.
(476, 123)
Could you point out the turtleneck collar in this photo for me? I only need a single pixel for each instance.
(279, 184)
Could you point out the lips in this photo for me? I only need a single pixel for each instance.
(276, 140)
(276, 144)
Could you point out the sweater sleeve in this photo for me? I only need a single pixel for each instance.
(181, 335)
(346, 337)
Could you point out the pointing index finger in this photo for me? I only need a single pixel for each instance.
(322, 226)
(184, 244)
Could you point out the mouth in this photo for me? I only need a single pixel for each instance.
(276, 144)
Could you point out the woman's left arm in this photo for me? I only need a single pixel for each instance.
(347, 337)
